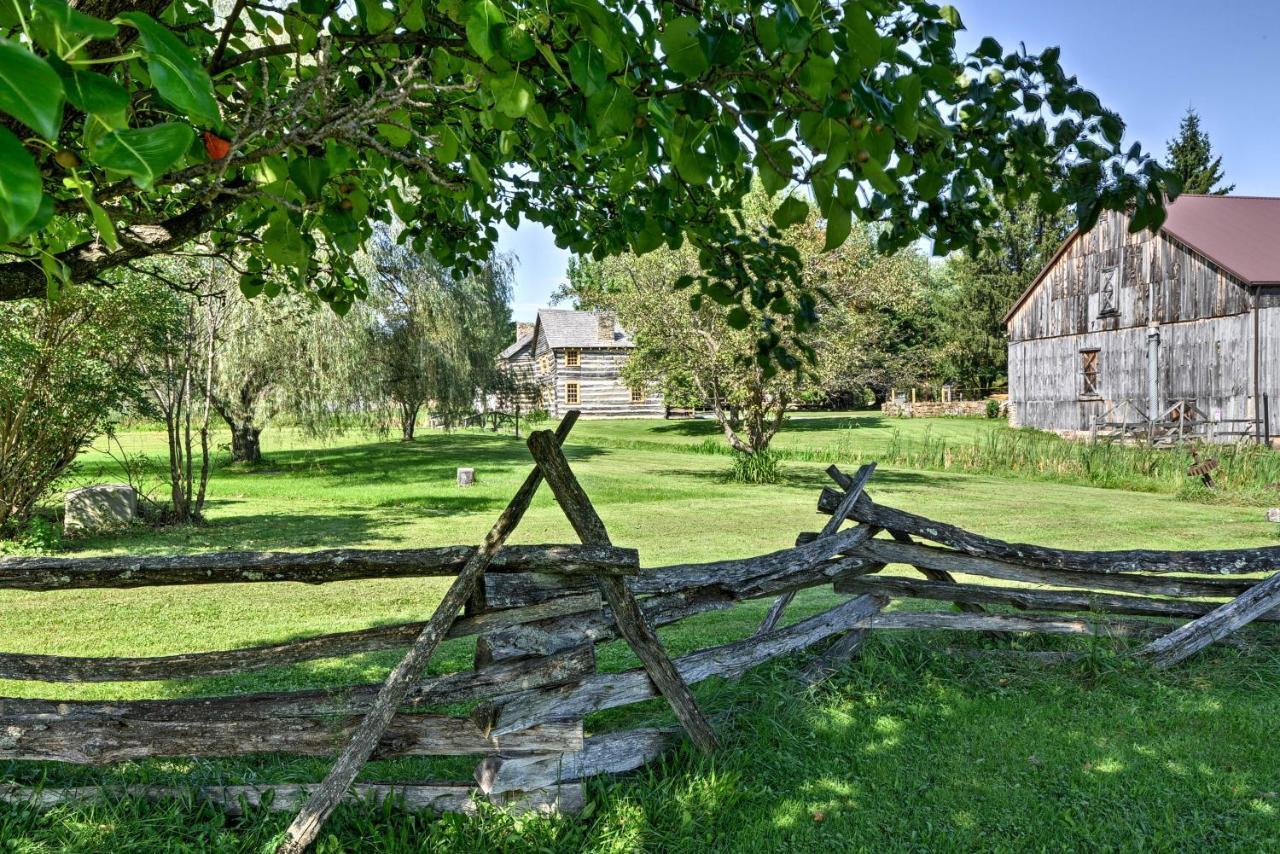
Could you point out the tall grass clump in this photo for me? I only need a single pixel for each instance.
(760, 467)
(1246, 473)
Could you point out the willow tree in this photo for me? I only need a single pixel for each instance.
(128, 129)
(433, 337)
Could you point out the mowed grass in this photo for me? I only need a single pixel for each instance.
(913, 747)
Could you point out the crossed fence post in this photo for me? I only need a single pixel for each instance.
(552, 465)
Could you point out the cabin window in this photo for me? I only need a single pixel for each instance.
(1089, 373)
(1108, 292)
(571, 395)
(572, 357)
(637, 395)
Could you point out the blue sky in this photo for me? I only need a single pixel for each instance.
(1147, 60)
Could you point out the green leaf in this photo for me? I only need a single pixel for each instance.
(282, 243)
(952, 16)
(586, 67)
(144, 154)
(30, 90)
(738, 318)
(251, 284)
(94, 93)
(20, 191)
(612, 111)
(69, 20)
(839, 224)
(512, 93)
(482, 29)
(310, 175)
(175, 74)
(861, 35)
(683, 48)
(516, 45)
(102, 222)
(793, 210)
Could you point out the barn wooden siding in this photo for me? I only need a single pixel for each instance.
(1206, 326)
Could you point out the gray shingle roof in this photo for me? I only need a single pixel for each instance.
(519, 344)
(565, 328)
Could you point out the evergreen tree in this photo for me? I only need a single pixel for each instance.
(1191, 158)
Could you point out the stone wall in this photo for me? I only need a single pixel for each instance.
(935, 408)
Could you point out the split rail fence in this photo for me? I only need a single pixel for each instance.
(538, 613)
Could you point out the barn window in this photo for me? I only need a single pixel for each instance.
(571, 395)
(1108, 292)
(1089, 373)
(637, 395)
(572, 357)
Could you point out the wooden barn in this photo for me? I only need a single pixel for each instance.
(1168, 333)
(573, 360)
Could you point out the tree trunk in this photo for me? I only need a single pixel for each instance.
(245, 447)
(408, 421)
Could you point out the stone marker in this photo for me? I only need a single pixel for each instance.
(1273, 514)
(466, 477)
(94, 508)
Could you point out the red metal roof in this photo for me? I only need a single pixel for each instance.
(1239, 233)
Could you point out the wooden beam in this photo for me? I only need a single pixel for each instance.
(325, 798)
(460, 798)
(1212, 562)
(65, 668)
(1023, 597)
(610, 690)
(928, 572)
(626, 612)
(323, 567)
(611, 753)
(493, 680)
(852, 491)
(1189, 639)
(933, 557)
(102, 740)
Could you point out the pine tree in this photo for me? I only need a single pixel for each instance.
(1191, 157)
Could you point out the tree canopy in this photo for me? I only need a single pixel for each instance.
(291, 127)
(1190, 157)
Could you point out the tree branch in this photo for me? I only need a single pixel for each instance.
(25, 279)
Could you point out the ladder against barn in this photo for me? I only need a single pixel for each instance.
(538, 611)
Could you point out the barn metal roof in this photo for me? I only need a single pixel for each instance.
(1239, 233)
(565, 328)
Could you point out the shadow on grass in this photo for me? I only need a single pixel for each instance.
(795, 423)
(807, 477)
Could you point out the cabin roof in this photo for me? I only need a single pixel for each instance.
(565, 328)
(521, 342)
(1241, 234)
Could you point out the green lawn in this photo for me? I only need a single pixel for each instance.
(914, 747)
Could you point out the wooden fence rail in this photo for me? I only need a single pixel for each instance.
(538, 612)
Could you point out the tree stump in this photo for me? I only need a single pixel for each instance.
(466, 476)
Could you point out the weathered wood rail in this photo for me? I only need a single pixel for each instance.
(538, 613)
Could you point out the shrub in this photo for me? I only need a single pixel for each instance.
(536, 417)
(760, 467)
(67, 368)
(993, 408)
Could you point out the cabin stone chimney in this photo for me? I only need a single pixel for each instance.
(523, 329)
(605, 321)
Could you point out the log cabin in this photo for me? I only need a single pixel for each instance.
(1178, 327)
(573, 360)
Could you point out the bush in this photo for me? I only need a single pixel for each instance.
(760, 467)
(536, 417)
(993, 408)
(67, 367)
